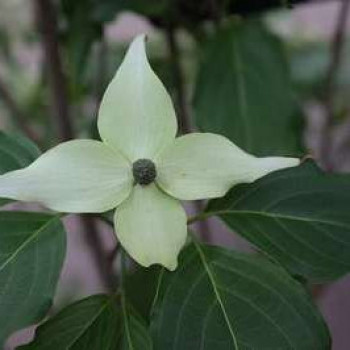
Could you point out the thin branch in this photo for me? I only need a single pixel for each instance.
(336, 55)
(103, 261)
(47, 22)
(47, 25)
(16, 112)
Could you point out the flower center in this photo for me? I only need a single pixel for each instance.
(144, 171)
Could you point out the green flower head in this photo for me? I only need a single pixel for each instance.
(140, 167)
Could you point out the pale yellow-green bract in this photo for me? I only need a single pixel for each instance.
(137, 120)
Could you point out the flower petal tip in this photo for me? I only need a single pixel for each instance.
(270, 164)
(170, 265)
(138, 45)
(141, 37)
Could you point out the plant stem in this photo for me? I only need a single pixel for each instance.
(123, 258)
(47, 23)
(206, 215)
(102, 261)
(199, 217)
(336, 55)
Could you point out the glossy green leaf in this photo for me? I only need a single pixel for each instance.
(299, 217)
(220, 299)
(243, 91)
(15, 152)
(145, 279)
(32, 250)
(97, 322)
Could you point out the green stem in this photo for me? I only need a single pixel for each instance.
(105, 219)
(122, 269)
(202, 216)
(337, 48)
(123, 298)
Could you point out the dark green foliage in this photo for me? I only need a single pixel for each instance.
(15, 152)
(299, 217)
(94, 323)
(220, 299)
(244, 92)
(32, 250)
(140, 288)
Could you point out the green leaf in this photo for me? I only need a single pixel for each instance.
(220, 299)
(145, 279)
(243, 91)
(135, 335)
(299, 217)
(96, 322)
(32, 250)
(15, 152)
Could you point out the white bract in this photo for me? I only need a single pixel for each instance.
(137, 121)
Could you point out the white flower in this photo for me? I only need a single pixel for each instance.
(140, 168)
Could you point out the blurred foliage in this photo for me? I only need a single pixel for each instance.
(244, 87)
(5, 45)
(309, 63)
(81, 30)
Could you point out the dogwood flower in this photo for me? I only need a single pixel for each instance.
(140, 167)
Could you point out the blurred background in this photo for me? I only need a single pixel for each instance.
(57, 57)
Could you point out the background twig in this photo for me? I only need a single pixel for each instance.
(336, 51)
(326, 147)
(47, 22)
(47, 25)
